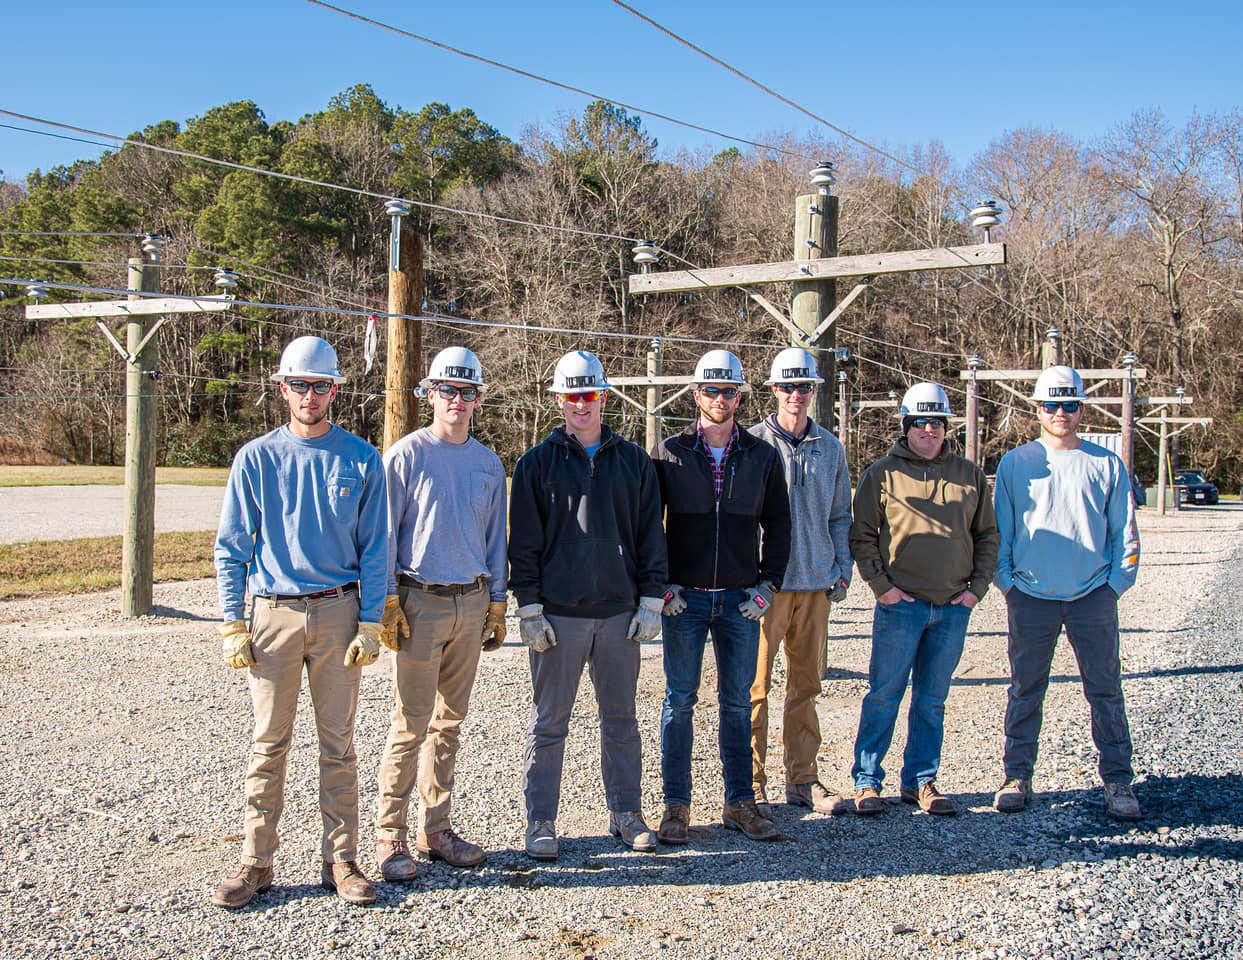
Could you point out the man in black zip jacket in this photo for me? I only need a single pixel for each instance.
(588, 567)
(721, 488)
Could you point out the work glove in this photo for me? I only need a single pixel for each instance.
(364, 649)
(395, 625)
(494, 625)
(236, 648)
(758, 600)
(837, 593)
(645, 623)
(537, 632)
(675, 603)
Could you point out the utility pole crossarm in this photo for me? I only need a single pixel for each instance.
(1139, 373)
(127, 308)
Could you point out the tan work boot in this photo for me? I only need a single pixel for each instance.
(1121, 802)
(448, 846)
(396, 864)
(745, 817)
(541, 840)
(868, 802)
(1013, 795)
(349, 882)
(675, 828)
(628, 826)
(242, 883)
(930, 799)
(814, 795)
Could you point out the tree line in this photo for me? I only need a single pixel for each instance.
(1131, 243)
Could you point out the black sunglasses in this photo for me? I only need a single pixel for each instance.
(922, 422)
(802, 389)
(1050, 406)
(727, 392)
(449, 391)
(321, 387)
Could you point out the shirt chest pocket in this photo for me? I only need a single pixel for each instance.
(344, 492)
(482, 490)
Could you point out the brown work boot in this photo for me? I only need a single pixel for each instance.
(241, 884)
(396, 864)
(675, 828)
(745, 817)
(448, 846)
(1013, 795)
(868, 802)
(348, 881)
(1121, 803)
(761, 802)
(930, 799)
(814, 795)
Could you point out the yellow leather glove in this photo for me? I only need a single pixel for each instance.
(236, 647)
(396, 626)
(364, 649)
(494, 626)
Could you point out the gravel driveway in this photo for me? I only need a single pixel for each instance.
(120, 810)
(98, 510)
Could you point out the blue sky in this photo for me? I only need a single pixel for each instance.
(899, 74)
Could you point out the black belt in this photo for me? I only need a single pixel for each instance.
(334, 592)
(442, 589)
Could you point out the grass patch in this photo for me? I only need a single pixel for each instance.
(40, 568)
(76, 475)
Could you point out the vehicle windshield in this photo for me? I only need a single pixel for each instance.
(1189, 476)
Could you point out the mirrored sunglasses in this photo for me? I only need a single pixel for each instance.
(727, 392)
(449, 391)
(321, 387)
(802, 389)
(587, 396)
(1070, 406)
(936, 423)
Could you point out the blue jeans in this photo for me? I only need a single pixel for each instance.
(736, 644)
(921, 641)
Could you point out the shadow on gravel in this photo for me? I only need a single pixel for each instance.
(1154, 674)
(174, 614)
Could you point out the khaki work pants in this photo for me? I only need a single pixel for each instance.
(435, 673)
(285, 635)
(799, 619)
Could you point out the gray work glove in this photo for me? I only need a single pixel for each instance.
(675, 603)
(536, 631)
(645, 623)
(837, 592)
(758, 600)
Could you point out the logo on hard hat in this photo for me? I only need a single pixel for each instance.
(717, 373)
(791, 372)
(460, 373)
(586, 381)
(927, 406)
(1062, 391)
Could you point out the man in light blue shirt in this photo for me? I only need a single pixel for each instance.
(304, 530)
(1069, 550)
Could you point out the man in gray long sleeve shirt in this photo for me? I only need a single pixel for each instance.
(818, 573)
(447, 580)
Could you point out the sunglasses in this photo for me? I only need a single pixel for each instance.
(449, 391)
(924, 422)
(802, 389)
(1050, 406)
(321, 387)
(587, 396)
(727, 392)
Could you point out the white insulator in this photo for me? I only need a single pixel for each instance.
(226, 279)
(1053, 333)
(1129, 359)
(987, 214)
(822, 176)
(975, 361)
(645, 253)
(153, 245)
(841, 354)
(37, 291)
(397, 208)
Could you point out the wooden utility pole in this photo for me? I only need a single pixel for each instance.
(974, 362)
(1051, 352)
(405, 332)
(843, 414)
(1127, 440)
(815, 238)
(654, 364)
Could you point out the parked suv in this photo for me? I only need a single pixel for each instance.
(1193, 487)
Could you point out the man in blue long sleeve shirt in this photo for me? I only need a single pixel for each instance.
(1069, 550)
(304, 529)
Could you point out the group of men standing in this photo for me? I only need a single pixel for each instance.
(744, 537)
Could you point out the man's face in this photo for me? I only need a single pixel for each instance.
(715, 404)
(306, 405)
(791, 399)
(926, 437)
(449, 406)
(583, 410)
(1059, 422)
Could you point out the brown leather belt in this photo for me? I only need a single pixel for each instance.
(334, 592)
(442, 589)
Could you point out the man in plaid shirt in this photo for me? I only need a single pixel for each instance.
(721, 488)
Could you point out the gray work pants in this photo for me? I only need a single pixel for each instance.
(1091, 624)
(613, 663)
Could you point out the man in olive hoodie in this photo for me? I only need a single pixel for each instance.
(925, 539)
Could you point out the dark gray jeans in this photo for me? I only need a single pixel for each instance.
(1091, 624)
(613, 663)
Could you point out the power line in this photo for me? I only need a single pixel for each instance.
(67, 233)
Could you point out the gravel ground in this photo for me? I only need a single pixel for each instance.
(63, 513)
(120, 805)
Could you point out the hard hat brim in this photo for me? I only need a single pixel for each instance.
(308, 375)
(744, 387)
(598, 386)
(771, 383)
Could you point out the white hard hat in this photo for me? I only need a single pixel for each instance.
(578, 370)
(925, 400)
(1059, 383)
(457, 364)
(309, 357)
(793, 365)
(720, 366)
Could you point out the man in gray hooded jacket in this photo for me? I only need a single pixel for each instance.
(818, 574)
